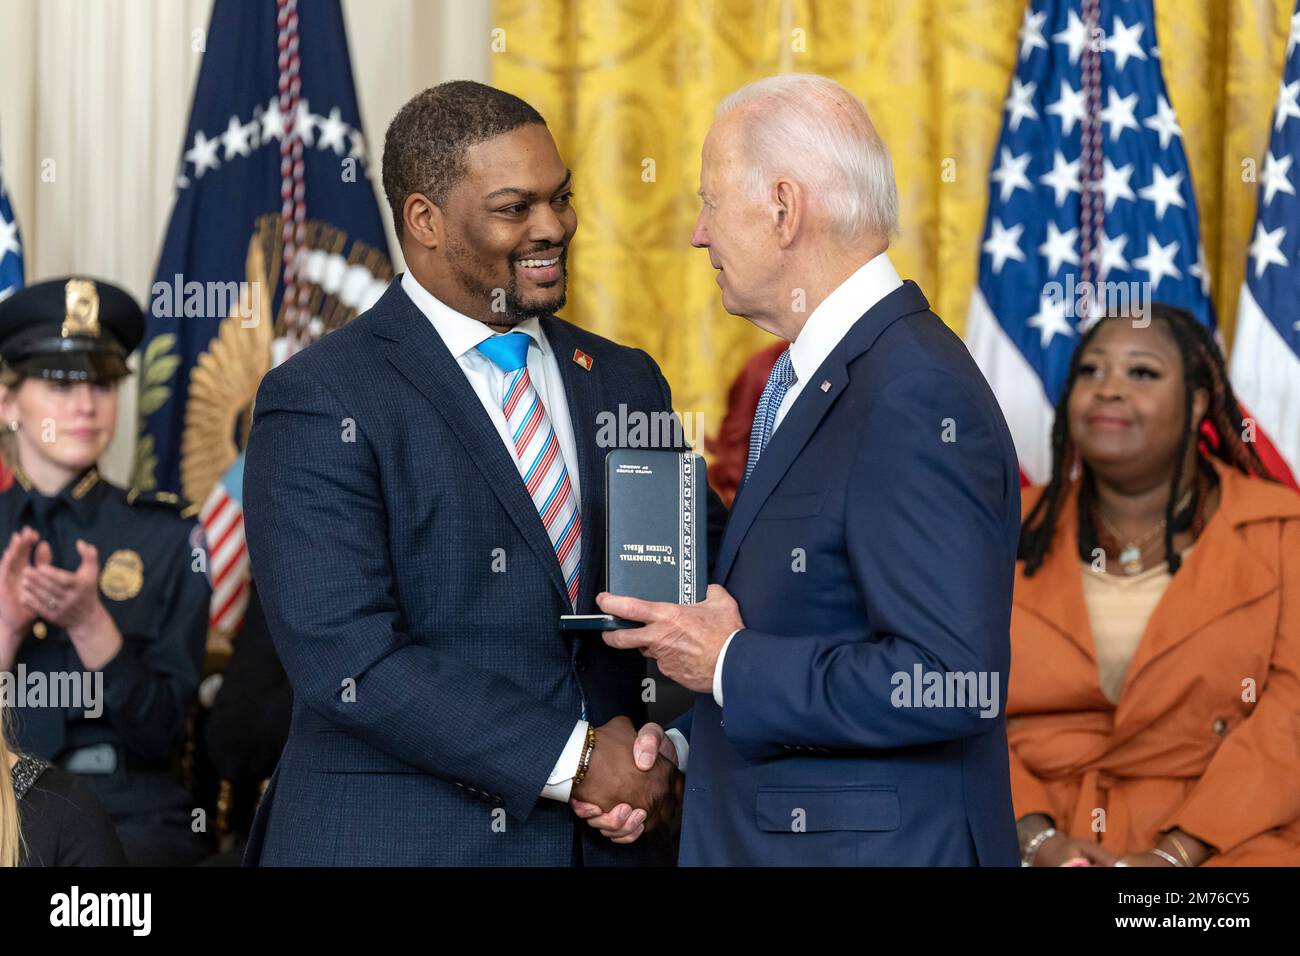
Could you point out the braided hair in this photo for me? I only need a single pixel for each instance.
(1203, 368)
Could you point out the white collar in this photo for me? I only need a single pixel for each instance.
(459, 332)
(837, 313)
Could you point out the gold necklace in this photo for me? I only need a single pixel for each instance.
(1130, 556)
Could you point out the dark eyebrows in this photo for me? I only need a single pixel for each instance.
(1131, 353)
(528, 194)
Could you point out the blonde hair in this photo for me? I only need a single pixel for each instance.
(10, 836)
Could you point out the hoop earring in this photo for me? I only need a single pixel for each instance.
(13, 425)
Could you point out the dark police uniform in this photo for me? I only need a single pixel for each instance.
(152, 581)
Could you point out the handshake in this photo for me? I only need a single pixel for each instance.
(632, 784)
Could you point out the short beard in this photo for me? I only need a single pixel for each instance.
(515, 310)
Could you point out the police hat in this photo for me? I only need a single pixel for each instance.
(71, 329)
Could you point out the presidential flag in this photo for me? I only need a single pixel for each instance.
(275, 238)
(1265, 364)
(1090, 200)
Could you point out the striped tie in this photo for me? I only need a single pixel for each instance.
(778, 383)
(537, 453)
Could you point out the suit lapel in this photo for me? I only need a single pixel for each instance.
(815, 399)
(583, 390)
(787, 441)
(415, 349)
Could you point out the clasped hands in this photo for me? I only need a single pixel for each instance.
(636, 776)
(642, 788)
(68, 599)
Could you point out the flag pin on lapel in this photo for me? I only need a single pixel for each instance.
(583, 359)
(826, 385)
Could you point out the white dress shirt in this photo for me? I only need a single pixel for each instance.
(823, 331)
(462, 336)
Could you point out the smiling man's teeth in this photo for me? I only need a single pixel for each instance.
(538, 263)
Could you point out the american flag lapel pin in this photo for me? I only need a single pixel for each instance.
(826, 386)
(583, 359)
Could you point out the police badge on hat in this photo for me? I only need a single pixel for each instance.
(70, 329)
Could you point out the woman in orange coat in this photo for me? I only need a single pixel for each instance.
(1153, 710)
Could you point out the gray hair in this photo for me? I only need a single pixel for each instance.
(816, 132)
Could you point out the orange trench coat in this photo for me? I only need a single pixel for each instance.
(1181, 748)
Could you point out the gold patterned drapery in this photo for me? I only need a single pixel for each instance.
(629, 88)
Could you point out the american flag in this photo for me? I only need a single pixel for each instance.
(1266, 352)
(11, 245)
(1090, 184)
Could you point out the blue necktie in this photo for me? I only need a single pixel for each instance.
(778, 383)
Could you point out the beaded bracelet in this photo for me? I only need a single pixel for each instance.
(584, 761)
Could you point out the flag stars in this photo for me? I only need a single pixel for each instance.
(1064, 177)
(272, 121)
(1266, 249)
(1031, 33)
(1011, 174)
(1126, 43)
(304, 123)
(1112, 255)
(1059, 247)
(1004, 244)
(8, 237)
(236, 138)
(332, 132)
(203, 154)
(1114, 183)
(1069, 107)
(1164, 191)
(1074, 36)
(1050, 320)
(1199, 270)
(1119, 113)
(1286, 104)
(1164, 122)
(1021, 103)
(358, 150)
(269, 123)
(1158, 262)
(1274, 177)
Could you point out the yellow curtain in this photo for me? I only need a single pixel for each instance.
(629, 88)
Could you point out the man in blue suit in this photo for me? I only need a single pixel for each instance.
(850, 661)
(424, 499)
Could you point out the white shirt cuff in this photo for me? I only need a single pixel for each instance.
(681, 745)
(717, 668)
(560, 783)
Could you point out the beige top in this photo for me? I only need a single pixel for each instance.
(1119, 608)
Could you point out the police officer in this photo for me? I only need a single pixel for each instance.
(100, 589)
